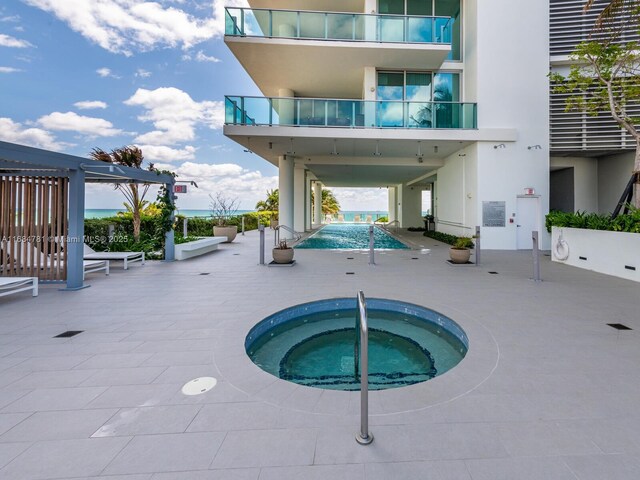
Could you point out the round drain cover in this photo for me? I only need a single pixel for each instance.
(199, 385)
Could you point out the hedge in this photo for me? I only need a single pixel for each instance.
(595, 221)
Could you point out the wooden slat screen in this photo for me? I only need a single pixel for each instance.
(33, 227)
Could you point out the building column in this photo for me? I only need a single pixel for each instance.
(286, 105)
(317, 206)
(393, 204)
(75, 242)
(308, 215)
(286, 192)
(299, 194)
(169, 240)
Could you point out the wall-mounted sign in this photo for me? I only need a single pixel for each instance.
(494, 214)
(179, 189)
(529, 191)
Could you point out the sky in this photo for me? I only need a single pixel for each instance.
(80, 74)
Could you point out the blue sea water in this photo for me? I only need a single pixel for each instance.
(349, 216)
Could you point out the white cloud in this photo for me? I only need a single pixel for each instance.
(142, 73)
(8, 41)
(11, 18)
(71, 121)
(126, 26)
(105, 72)
(200, 57)
(90, 104)
(9, 70)
(249, 186)
(11, 131)
(363, 199)
(174, 114)
(163, 153)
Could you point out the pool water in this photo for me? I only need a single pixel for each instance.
(316, 349)
(350, 236)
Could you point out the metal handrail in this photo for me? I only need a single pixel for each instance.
(361, 362)
(276, 234)
(395, 222)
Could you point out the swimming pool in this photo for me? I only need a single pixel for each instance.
(313, 344)
(350, 237)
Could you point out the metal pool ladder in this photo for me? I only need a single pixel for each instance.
(361, 361)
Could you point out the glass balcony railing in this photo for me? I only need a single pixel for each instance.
(322, 112)
(356, 27)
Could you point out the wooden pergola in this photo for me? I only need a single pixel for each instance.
(42, 199)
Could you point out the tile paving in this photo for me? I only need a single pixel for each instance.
(548, 390)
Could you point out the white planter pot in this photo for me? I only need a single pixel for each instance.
(612, 253)
(282, 255)
(229, 232)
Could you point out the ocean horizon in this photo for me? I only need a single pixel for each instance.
(349, 215)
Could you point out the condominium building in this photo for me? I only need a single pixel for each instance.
(591, 157)
(449, 97)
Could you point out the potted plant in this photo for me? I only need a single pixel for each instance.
(222, 209)
(460, 251)
(282, 253)
(273, 221)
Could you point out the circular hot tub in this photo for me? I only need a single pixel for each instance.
(313, 344)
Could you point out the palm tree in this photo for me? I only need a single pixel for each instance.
(613, 8)
(271, 204)
(128, 156)
(330, 204)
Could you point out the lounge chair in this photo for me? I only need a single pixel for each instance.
(89, 266)
(356, 219)
(341, 218)
(9, 285)
(369, 219)
(126, 257)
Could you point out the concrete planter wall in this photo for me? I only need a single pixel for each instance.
(612, 253)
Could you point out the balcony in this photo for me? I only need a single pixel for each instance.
(338, 113)
(324, 54)
(353, 27)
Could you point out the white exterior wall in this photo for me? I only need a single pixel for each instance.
(585, 180)
(286, 192)
(452, 194)
(614, 173)
(410, 206)
(512, 91)
(393, 203)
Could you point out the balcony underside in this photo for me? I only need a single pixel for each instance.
(355, 149)
(310, 67)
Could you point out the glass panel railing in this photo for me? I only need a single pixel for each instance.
(321, 112)
(337, 26)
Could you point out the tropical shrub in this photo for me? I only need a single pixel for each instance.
(594, 221)
(458, 242)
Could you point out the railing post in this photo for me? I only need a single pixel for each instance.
(372, 260)
(242, 225)
(261, 230)
(477, 242)
(185, 229)
(536, 257)
(363, 437)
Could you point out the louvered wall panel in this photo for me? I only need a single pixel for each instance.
(576, 132)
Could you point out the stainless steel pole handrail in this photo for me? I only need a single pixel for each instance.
(276, 234)
(362, 348)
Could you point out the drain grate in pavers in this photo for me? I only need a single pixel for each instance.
(415, 258)
(493, 273)
(351, 273)
(629, 267)
(69, 333)
(205, 273)
(236, 254)
(349, 258)
(619, 326)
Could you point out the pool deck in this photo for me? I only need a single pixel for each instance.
(547, 391)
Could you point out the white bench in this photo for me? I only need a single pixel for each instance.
(198, 247)
(9, 285)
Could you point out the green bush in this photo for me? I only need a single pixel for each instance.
(595, 221)
(460, 242)
(383, 220)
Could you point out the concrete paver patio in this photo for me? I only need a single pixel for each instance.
(548, 390)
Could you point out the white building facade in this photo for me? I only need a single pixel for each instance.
(448, 96)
